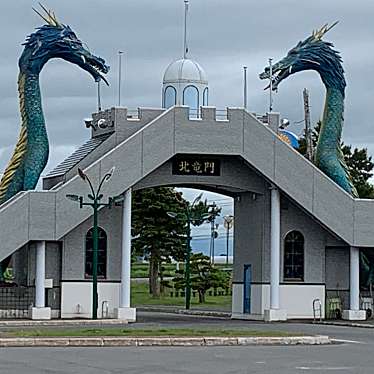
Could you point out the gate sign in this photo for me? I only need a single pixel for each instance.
(196, 165)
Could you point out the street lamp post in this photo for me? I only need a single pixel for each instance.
(95, 203)
(188, 217)
(228, 223)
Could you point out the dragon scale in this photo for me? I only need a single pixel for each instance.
(52, 40)
(315, 54)
(31, 152)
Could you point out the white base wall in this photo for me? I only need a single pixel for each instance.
(295, 299)
(237, 298)
(76, 299)
(354, 315)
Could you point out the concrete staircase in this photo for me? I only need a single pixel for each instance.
(48, 215)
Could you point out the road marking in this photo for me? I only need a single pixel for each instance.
(324, 368)
(260, 362)
(346, 341)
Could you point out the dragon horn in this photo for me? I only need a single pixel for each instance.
(49, 16)
(318, 34)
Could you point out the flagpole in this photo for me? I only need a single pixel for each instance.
(185, 47)
(119, 76)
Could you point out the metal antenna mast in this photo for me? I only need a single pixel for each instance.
(119, 76)
(185, 46)
(308, 130)
(271, 85)
(98, 97)
(245, 104)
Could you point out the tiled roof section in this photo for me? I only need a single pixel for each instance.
(77, 156)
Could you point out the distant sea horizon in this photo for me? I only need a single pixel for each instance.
(203, 246)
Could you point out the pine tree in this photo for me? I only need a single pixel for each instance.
(157, 236)
(203, 276)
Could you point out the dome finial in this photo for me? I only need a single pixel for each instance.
(185, 46)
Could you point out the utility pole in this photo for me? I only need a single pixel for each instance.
(308, 130)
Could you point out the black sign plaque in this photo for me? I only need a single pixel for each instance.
(196, 165)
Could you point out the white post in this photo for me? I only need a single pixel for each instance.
(126, 251)
(125, 312)
(354, 313)
(40, 275)
(355, 279)
(274, 249)
(40, 311)
(275, 313)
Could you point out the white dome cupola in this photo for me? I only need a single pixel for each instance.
(185, 81)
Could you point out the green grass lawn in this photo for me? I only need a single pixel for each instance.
(141, 297)
(134, 332)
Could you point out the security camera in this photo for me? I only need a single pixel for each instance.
(102, 123)
(89, 123)
(284, 123)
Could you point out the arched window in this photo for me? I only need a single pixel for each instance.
(205, 96)
(293, 256)
(170, 97)
(101, 254)
(191, 99)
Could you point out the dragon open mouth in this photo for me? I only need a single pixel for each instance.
(279, 73)
(96, 67)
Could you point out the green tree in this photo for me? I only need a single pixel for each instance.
(360, 167)
(157, 236)
(202, 209)
(358, 161)
(203, 276)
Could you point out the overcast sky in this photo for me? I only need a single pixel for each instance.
(223, 36)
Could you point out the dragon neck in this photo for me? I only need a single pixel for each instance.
(36, 155)
(332, 123)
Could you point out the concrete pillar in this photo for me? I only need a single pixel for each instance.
(274, 313)
(40, 275)
(274, 249)
(124, 311)
(40, 311)
(354, 312)
(354, 278)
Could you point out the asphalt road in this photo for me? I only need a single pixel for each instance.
(355, 356)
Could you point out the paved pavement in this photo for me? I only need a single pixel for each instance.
(353, 355)
(347, 358)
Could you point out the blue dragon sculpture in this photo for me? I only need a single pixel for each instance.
(52, 40)
(315, 54)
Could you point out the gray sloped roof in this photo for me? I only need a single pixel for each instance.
(77, 156)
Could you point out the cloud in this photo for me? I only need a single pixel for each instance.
(223, 36)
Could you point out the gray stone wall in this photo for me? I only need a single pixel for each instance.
(73, 254)
(293, 218)
(250, 212)
(235, 176)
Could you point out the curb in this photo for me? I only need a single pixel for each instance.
(162, 341)
(345, 324)
(61, 322)
(204, 313)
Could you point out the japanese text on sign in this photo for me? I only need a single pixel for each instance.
(196, 166)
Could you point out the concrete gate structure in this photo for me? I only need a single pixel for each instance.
(275, 191)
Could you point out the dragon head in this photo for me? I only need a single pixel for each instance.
(55, 40)
(310, 54)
